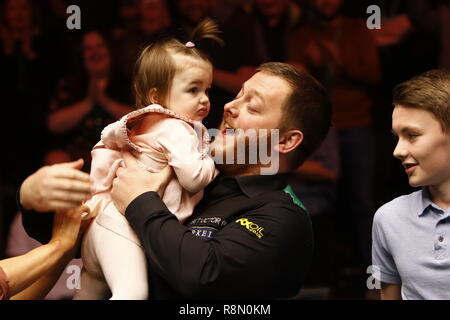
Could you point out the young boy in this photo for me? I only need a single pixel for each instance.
(411, 234)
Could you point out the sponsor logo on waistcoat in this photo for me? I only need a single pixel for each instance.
(251, 226)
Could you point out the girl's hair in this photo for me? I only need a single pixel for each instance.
(155, 67)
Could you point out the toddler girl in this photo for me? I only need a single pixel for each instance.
(171, 82)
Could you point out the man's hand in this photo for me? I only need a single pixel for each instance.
(131, 181)
(57, 187)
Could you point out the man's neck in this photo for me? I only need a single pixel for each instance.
(238, 170)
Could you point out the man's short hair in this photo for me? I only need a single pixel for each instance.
(429, 91)
(307, 108)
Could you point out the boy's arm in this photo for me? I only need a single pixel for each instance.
(382, 259)
(391, 291)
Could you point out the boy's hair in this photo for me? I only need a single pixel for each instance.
(307, 108)
(429, 91)
(155, 66)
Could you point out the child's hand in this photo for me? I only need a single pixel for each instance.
(131, 181)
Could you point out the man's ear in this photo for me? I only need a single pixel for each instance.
(153, 95)
(289, 141)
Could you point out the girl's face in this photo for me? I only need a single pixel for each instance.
(188, 94)
(423, 147)
(95, 53)
(18, 14)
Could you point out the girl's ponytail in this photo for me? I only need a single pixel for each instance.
(206, 29)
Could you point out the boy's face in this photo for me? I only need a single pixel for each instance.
(423, 147)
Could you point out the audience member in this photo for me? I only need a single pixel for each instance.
(275, 21)
(153, 22)
(95, 95)
(28, 64)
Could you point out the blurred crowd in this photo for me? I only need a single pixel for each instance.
(59, 88)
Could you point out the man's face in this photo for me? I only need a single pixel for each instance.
(327, 8)
(257, 106)
(423, 147)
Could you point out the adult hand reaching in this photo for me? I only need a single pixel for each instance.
(131, 181)
(32, 275)
(57, 187)
(67, 227)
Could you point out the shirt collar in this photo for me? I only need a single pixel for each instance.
(253, 186)
(425, 204)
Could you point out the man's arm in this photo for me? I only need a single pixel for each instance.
(391, 291)
(235, 263)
